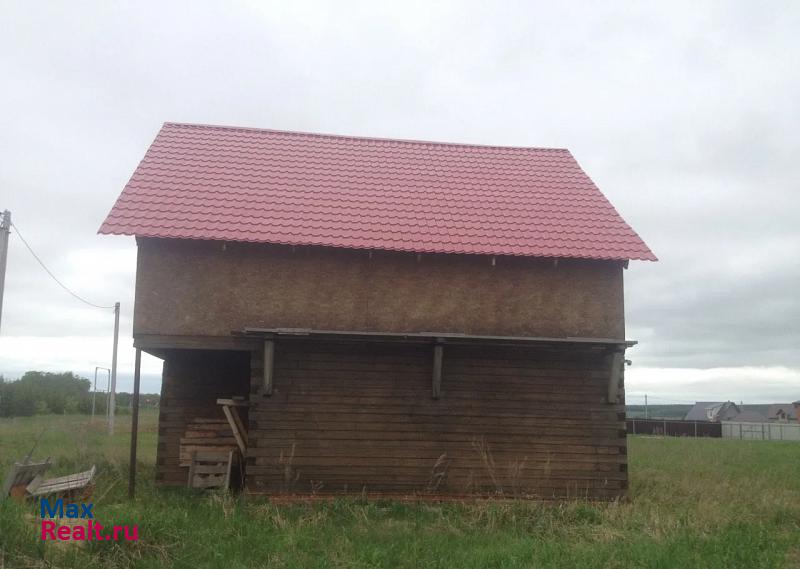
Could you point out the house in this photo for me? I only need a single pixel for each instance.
(782, 413)
(748, 416)
(713, 411)
(397, 317)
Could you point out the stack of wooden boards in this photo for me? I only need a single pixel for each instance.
(211, 447)
(206, 436)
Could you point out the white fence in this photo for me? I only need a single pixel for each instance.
(761, 431)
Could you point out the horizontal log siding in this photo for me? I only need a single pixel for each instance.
(358, 417)
(192, 381)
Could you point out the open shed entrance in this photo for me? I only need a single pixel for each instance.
(191, 420)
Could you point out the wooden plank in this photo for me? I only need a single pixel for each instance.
(234, 402)
(615, 377)
(239, 424)
(438, 354)
(236, 433)
(191, 479)
(160, 342)
(471, 339)
(210, 468)
(218, 456)
(269, 367)
(217, 481)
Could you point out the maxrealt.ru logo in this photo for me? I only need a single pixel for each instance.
(90, 531)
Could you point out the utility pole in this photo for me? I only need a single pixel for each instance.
(5, 230)
(112, 394)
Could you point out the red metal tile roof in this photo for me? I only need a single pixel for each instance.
(266, 186)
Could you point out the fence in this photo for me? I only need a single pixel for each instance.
(761, 431)
(673, 428)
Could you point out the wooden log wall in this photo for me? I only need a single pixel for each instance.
(352, 418)
(191, 383)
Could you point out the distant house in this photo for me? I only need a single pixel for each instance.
(749, 416)
(782, 412)
(713, 411)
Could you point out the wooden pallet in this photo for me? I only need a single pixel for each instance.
(209, 469)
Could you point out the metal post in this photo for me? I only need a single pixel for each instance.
(695, 429)
(5, 229)
(112, 393)
(645, 407)
(134, 422)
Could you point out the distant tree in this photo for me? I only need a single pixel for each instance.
(39, 392)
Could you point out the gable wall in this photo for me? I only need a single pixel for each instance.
(201, 288)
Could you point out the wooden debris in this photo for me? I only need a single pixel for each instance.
(20, 475)
(28, 481)
(62, 484)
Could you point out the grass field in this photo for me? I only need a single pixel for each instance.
(693, 503)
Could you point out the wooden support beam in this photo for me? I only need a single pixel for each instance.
(239, 425)
(236, 425)
(137, 374)
(269, 364)
(615, 377)
(438, 354)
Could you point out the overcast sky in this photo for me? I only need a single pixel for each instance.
(686, 116)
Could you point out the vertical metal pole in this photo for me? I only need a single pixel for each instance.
(94, 392)
(108, 391)
(695, 429)
(646, 416)
(5, 229)
(134, 422)
(112, 394)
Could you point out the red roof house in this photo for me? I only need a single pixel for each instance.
(397, 316)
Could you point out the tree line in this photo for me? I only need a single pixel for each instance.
(39, 393)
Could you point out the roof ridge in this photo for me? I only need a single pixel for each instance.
(366, 138)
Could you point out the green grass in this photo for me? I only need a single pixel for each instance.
(693, 503)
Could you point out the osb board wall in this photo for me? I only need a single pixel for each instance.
(192, 381)
(510, 421)
(202, 288)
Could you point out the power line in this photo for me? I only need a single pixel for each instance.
(49, 272)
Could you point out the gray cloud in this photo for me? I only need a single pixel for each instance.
(685, 115)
